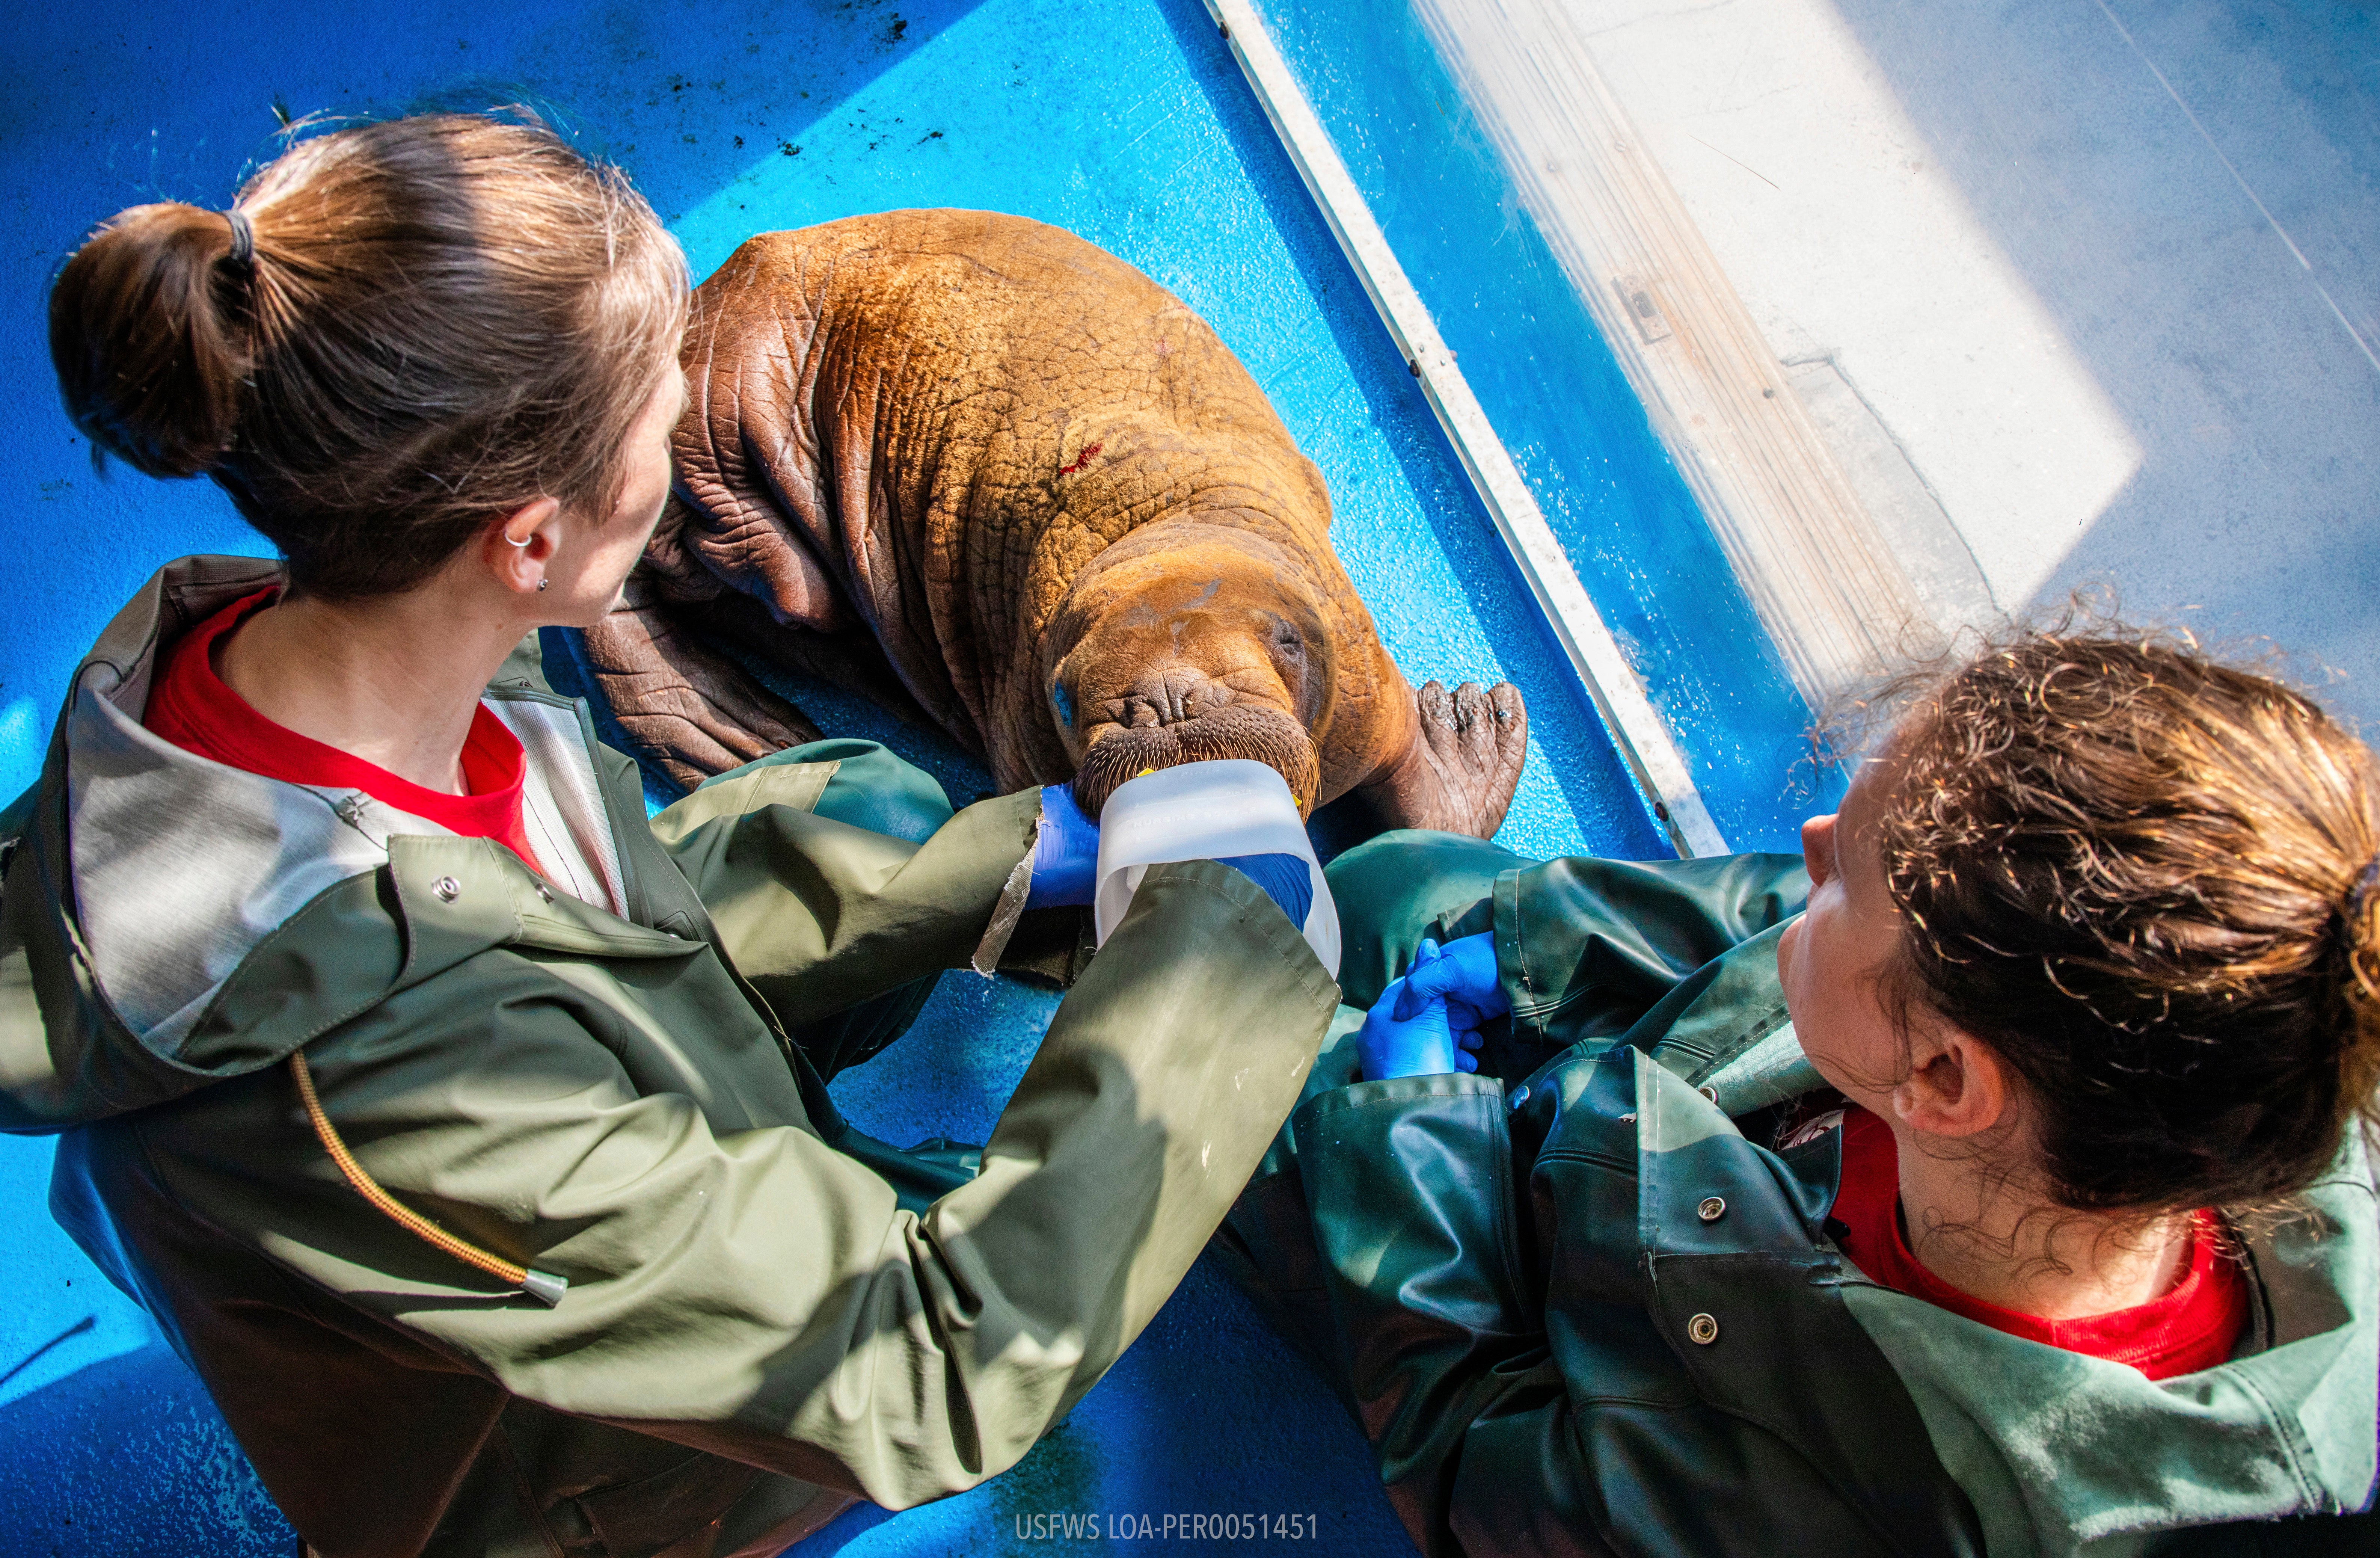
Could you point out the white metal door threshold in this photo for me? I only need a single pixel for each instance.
(1644, 738)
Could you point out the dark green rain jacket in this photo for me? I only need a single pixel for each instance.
(612, 1074)
(1592, 1311)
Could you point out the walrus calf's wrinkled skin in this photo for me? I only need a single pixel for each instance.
(997, 478)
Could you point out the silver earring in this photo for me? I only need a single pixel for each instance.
(509, 542)
(540, 584)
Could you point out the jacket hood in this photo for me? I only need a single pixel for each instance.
(170, 921)
(2066, 1454)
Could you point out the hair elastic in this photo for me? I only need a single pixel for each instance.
(243, 237)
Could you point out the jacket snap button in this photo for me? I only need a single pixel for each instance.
(1702, 1330)
(1520, 1096)
(544, 892)
(1627, 1119)
(1710, 1093)
(447, 889)
(1712, 1209)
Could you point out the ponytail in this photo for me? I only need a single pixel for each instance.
(401, 329)
(2359, 1053)
(145, 330)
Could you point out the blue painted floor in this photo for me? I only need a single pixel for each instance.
(1124, 121)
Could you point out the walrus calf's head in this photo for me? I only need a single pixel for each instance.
(1178, 645)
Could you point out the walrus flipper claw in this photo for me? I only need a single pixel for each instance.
(1464, 764)
(684, 706)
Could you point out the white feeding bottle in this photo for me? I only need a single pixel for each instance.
(1205, 812)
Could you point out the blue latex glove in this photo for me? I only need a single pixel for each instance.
(1065, 852)
(1464, 971)
(1433, 1040)
(1284, 878)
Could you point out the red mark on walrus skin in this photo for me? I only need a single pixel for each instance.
(1081, 460)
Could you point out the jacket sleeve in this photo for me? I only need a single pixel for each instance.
(1591, 948)
(819, 915)
(1517, 1392)
(756, 1294)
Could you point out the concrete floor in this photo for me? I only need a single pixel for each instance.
(2083, 292)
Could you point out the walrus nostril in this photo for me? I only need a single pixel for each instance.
(1174, 695)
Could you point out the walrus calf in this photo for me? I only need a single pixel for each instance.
(996, 478)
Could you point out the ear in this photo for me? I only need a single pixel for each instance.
(520, 546)
(1957, 1085)
(1818, 848)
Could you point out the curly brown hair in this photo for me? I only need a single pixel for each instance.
(2147, 880)
(438, 318)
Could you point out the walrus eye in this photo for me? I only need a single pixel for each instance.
(1064, 705)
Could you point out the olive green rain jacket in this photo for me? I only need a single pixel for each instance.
(598, 1076)
(1595, 1311)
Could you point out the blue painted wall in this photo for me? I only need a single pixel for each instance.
(1124, 121)
(1557, 397)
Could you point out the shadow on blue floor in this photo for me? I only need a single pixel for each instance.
(1123, 121)
(125, 1452)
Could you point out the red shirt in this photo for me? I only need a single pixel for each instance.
(190, 706)
(2194, 1326)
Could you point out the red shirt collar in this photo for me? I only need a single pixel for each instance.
(190, 705)
(2194, 1325)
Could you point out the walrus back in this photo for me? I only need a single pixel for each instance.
(976, 406)
(976, 456)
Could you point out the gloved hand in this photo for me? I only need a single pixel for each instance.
(1065, 852)
(1464, 971)
(1284, 879)
(1434, 1037)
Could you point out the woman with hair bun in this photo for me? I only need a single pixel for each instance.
(465, 1130)
(1993, 1178)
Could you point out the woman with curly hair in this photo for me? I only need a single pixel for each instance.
(1993, 1178)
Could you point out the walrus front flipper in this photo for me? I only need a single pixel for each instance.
(1465, 760)
(684, 706)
